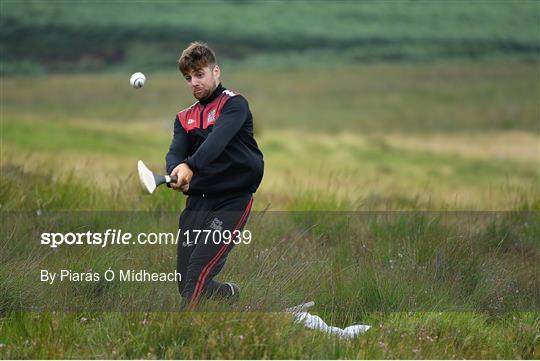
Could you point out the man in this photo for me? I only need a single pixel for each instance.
(219, 166)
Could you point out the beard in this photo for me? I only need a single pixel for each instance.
(201, 94)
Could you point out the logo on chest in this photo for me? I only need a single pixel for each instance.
(212, 117)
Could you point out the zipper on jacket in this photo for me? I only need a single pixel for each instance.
(201, 118)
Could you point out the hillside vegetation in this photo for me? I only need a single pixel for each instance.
(57, 36)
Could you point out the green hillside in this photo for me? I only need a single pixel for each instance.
(58, 36)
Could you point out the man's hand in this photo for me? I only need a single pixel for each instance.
(184, 174)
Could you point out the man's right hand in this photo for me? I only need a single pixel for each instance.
(183, 174)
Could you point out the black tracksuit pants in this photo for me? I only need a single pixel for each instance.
(200, 260)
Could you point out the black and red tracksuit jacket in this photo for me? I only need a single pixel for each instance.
(214, 137)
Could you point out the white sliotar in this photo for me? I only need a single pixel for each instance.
(137, 80)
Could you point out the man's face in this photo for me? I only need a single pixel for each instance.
(202, 82)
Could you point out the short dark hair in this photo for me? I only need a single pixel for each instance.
(196, 56)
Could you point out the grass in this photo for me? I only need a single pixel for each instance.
(386, 134)
(450, 282)
(157, 335)
(456, 285)
(445, 98)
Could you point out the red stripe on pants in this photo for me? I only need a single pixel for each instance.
(206, 270)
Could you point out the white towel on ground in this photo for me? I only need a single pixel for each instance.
(316, 323)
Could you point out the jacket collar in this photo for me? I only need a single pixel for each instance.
(219, 89)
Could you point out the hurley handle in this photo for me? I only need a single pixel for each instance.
(170, 179)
